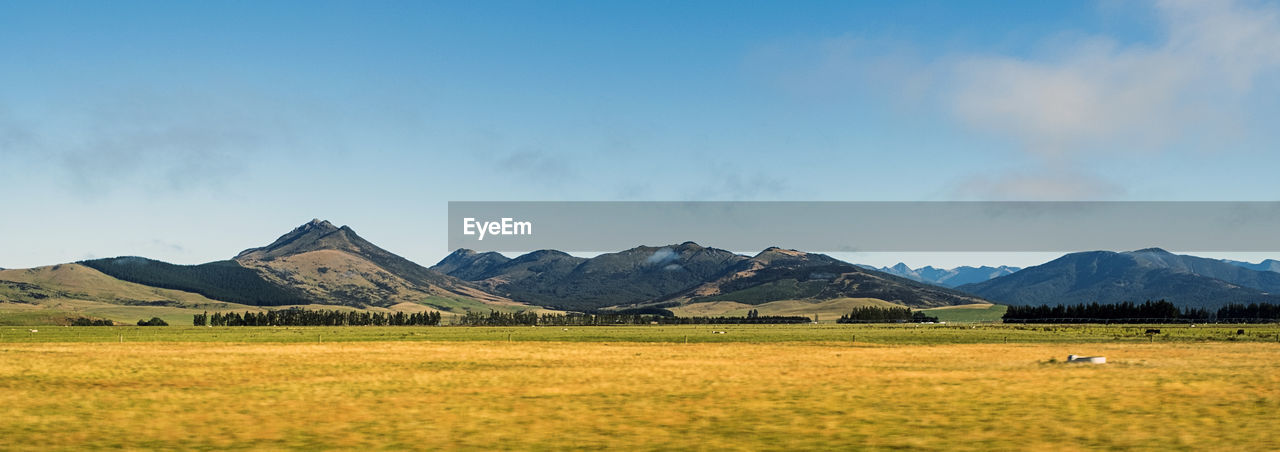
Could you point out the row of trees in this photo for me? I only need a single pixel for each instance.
(1249, 313)
(1148, 312)
(303, 317)
(756, 319)
(873, 314)
(495, 318)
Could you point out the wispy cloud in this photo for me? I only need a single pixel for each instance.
(542, 167)
(726, 181)
(1099, 94)
(148, 141)
(1212, 64)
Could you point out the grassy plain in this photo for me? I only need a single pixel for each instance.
(827, 311)
(751, 395)
(888, 334)
(989, 313)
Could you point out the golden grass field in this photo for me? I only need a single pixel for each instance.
(828, 310)
(483, 395)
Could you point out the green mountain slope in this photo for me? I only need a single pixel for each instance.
(222, 280)
(1150, 274)
(777, 274)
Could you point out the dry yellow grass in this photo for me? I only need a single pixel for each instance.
(826, 310)
(497, 395)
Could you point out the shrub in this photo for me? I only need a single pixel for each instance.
(155, 321)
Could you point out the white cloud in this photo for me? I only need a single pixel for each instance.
(1199, 84)
(1099, 95)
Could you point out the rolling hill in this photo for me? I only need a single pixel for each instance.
(777, 274)
(54, 293)
(1149, 274)
(222, 280)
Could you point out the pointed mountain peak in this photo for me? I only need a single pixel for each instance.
(314, 235)
(902, 267)
(316, 224)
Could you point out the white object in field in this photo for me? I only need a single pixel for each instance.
(35, 331)
(1087, 359)
(719, 332)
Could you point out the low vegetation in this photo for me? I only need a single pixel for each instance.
(744, 396)
(888, 334)
(495, 318)
(155, 321)
(303, 317)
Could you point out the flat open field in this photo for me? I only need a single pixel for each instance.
(764, 387)
(900, 334)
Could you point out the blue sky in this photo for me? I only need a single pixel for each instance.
(188, 131)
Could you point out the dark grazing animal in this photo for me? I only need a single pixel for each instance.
(1153, 331)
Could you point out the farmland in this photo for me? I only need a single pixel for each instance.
(887, 334)
(930, 387)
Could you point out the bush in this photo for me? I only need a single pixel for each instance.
(155, 321)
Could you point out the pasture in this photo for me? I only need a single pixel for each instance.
(889, 334)
(802, 387)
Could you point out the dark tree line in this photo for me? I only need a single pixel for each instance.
(495, 318)
(85, 321)
(755, 319)
(873, 314)
(1250, 313)
(303, 317)
(1147, 312)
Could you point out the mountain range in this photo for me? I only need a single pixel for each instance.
(1269, 265)
(952, 278)
(683, 274)
(321, 264)
(1148, 274)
